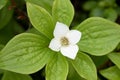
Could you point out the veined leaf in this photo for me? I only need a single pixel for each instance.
(73, 75)
(25, 53)
(5, 15)
(40, 19)
(112, 73)
(47, 4)
(99, 36)
(115, 58)
(57, 68)
(63, 11)
(34, 31)
(85, 66)
(15, 76)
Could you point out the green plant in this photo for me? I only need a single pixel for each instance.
(28, 51)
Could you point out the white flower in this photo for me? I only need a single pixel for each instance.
(65, 40)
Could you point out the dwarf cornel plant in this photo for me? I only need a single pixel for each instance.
(27, 53)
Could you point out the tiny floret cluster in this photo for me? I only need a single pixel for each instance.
(65, 40)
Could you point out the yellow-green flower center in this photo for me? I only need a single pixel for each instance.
(64, 41)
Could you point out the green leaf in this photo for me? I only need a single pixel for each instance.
(16, 27)
(57, 68)
(15, 76)
(99, 60)
(73, 75)
(96, 12)
(1, 72)
(89, 5)
(5, 15)
(107, 3)
(99, 36)
(9, 31)
(115, 58)
(1, 46)
(111, 14)
(2, 3)
(63, 11)
(25, 53)
(1, 75)
(40, 19)
(117, 48)
(112, 73)
(34, 31)
(85, 66)
(47, 4)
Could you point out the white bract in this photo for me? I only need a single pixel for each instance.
(65, 40)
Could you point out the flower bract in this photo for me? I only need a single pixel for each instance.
(65, 40)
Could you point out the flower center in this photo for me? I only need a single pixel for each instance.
(64, 41)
